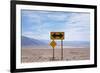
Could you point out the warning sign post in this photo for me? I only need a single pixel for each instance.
(57, 36)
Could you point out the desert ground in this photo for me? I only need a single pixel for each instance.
(42, 55)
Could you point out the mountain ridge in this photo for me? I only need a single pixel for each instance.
(26, 41)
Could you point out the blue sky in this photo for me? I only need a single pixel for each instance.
(39, 24)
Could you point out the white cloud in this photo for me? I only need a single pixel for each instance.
(78, 27)
(75, 25)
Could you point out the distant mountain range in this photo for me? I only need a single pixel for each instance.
(26, 41)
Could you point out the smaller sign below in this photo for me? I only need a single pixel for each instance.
(53, 44)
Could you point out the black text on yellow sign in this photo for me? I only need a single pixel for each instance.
(57, 35)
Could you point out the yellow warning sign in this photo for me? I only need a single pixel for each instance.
(57, 35)
(53, 44)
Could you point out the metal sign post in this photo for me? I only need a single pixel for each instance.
(53, 44)
(61, 49)
(53, 54)
(57, 36)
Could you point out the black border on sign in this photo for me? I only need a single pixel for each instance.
(13, 35)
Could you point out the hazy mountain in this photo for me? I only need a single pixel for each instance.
(75, 43)
(25, 41)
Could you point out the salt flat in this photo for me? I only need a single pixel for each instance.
(43, 55)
